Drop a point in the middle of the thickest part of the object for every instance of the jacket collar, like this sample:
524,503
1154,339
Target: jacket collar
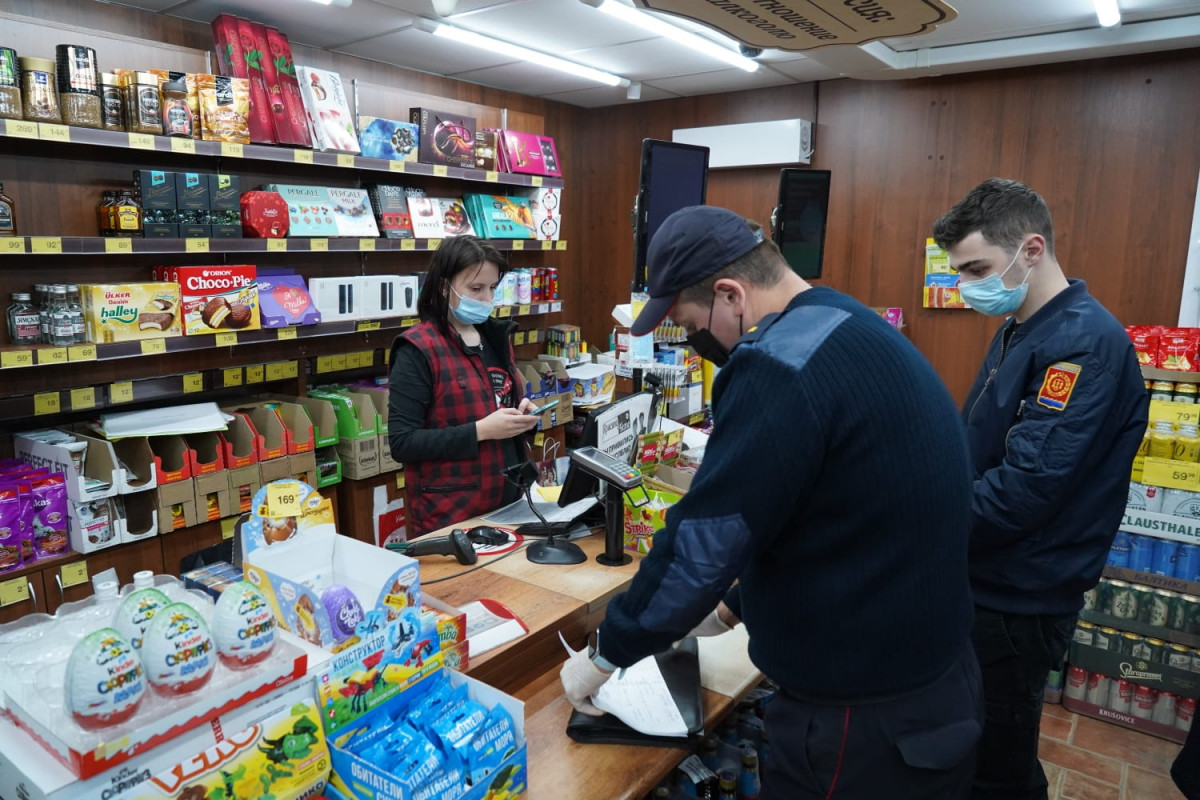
1076,290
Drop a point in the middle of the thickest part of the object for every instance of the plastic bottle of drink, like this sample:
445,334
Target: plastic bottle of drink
62,327
748,784
75,310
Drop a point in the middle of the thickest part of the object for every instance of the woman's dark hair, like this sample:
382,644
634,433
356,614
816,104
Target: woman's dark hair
456,253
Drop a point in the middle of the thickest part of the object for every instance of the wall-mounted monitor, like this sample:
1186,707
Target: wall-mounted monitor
799,219
673,176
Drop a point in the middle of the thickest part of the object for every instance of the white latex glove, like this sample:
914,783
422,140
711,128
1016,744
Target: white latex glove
581,678
712,625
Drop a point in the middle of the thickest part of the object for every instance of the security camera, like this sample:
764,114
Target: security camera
750,52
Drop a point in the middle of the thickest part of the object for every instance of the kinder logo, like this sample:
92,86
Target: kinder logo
211,759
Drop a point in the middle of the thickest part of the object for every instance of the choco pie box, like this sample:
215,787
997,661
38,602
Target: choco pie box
222,297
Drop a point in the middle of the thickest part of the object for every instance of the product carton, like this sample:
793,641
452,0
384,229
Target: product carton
592,383
155,189
177,515
321,416
172,459
545,203
360,457
224,192
239,442
243,484
310,209
352,212
499,217
213,497
124,312
136,457
217,298
391,211
329,118
191,191
303,467
293,102
140,520
444,138
206,452
388,138
529,153
329,467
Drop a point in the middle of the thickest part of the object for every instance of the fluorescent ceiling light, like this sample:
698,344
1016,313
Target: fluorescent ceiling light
521,53
1107,12
660,27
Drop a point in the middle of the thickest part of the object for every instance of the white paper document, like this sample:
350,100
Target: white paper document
519,513
194,418
640,698
486,630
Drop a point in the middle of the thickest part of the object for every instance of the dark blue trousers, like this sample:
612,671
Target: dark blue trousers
917,746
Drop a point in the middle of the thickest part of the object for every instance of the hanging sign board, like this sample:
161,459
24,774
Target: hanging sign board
806,24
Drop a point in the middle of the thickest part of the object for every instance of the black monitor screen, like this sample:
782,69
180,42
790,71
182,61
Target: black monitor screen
800,219
674,176
612,429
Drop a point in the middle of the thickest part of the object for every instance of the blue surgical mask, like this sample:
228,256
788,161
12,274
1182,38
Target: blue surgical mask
471,311
991,297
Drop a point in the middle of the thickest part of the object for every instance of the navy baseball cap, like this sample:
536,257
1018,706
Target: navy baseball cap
692,244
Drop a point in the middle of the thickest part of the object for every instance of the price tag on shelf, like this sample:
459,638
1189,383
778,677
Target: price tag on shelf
1177,413
83,399
518,244
440,171
539,439
21,129
523,310
366,245
193,382
367,358
408,244
14,244
491,176
1172,474
179,145
400,481
433,244
353,361
46,403
231,377
275,371
46,244
504,311
396,166
141,141
14,591
302,156
547,244
54,133
73,574
367,325
254,373
519,338
286,333
224,339
338,363
536,180
232,149
52,355
227,526
345,160
16,358
120,392
276,245
195,245
408,322
318,245
324,364
118,244
82,352
151,347
283,499
561,244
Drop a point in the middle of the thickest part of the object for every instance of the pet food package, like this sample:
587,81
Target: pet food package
11,556
388,139
50,527
444,138
329,117
224,108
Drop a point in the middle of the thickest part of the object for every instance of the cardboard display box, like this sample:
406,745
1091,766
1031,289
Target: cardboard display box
275,469
329,467
101,476
174,516
213,496
1168,732
239,442
360,457
303,467
243,484
141,517
1163,677
172,458
206,452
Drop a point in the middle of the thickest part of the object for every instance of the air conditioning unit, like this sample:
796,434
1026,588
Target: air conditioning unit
752,144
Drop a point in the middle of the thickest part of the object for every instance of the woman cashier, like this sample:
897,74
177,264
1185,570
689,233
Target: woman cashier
456,410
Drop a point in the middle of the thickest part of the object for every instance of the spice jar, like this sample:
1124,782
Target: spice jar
39,100
145,106
78,85
176,115
10,84
112,105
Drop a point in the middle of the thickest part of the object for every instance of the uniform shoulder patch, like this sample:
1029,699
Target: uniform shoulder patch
1058,384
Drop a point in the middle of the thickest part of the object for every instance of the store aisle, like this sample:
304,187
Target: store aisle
1086,759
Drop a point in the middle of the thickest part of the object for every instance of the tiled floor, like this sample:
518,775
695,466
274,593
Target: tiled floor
1086,759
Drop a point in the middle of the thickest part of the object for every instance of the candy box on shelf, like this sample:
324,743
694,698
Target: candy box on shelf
125,312
391,211
284,301
265,215
221,297
388,138
329,117
529,153
310,210
444,138
352,212
500,217
545,204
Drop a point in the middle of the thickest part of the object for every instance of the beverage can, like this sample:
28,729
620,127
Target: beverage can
1162,440
1184,392
1185,712
1141,552
524,287
1155,650
1157,608
1187,608
1107,638
537,285
1187,562
1129,642
1162,390
1099,687
1118,553
1144,700
1091,596
1179,656
1164,558
1121,696
1195,660
1124,603
1164,709
1085,632
551,283
1076,685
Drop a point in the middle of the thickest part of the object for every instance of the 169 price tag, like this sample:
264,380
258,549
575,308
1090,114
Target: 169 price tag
283,499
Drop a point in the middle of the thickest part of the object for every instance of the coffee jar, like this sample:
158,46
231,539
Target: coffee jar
78,85
39,98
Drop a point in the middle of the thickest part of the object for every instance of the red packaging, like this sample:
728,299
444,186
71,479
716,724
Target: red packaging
264,215
1177,349
280,124
262,129
1145,343
222,27
219,297
293,101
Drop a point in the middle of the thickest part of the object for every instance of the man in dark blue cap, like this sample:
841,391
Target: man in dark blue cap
833,492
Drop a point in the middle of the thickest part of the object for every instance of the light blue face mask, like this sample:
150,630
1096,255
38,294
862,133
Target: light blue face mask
471,311
991,297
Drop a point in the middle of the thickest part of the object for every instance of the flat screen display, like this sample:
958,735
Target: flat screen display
800,219
673,176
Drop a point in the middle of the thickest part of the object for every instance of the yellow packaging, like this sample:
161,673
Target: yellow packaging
126,312
642,522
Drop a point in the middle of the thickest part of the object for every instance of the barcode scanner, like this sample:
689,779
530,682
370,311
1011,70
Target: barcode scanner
457,544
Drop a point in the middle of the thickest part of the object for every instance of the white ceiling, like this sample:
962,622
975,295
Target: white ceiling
988,34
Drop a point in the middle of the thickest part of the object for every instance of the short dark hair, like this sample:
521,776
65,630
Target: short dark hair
763,266
456,253
1004,211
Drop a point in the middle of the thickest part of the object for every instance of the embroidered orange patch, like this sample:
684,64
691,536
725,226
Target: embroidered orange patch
1058,384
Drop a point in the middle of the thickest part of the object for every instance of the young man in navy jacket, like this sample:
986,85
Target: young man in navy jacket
1053,422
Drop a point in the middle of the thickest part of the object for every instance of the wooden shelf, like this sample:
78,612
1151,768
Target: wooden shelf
104,245
1156,374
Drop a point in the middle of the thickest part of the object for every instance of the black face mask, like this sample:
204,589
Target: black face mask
706,345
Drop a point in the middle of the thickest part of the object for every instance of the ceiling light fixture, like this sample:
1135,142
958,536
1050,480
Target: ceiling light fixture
511,50
660,27
338,3
1107,12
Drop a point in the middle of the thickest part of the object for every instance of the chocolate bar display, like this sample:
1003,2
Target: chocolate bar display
387,138
445,138
284,301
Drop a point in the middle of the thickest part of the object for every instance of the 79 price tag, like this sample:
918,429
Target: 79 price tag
283,499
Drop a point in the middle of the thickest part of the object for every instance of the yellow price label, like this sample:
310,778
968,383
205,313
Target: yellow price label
1171,474
400,480
46,403
368,325
193,382
547,244
1177,413
491,176
338,363
46,244
15,244
523,310
152,347
283,499
52,355
14,591
561,244
224,339
231,149
302,156
538,439
518,244
275,371
83,399
536,180
21,129
121,392
408,322
353,361
229,523
396,166
408,244
276,245
54,133
286,333
118,244
141,141
291,369
82,352
179,145
440,171
73,574
367,358
231,377
254,373
345,160
324,364
519,338
16,358
504,311
433,244
318,245
195,245
366,244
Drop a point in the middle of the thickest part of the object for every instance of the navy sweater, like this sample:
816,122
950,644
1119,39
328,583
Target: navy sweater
836,489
